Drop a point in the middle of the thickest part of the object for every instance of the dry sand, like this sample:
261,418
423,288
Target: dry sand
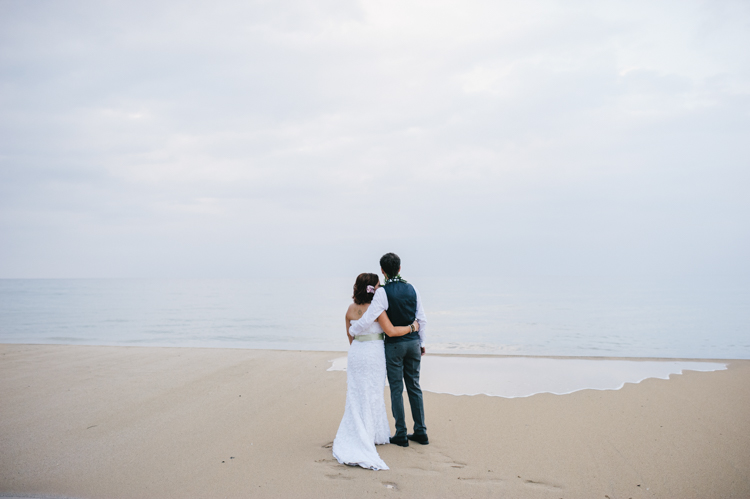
105,422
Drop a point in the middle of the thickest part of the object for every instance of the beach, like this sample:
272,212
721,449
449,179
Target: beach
136,422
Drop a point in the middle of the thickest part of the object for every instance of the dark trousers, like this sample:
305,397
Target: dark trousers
402,362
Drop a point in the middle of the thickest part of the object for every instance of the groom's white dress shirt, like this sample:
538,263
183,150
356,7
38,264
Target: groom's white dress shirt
378,305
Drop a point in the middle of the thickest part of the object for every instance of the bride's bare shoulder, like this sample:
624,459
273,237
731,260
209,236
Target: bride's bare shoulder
355,311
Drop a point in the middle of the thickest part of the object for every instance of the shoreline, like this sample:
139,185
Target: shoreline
526,377
119,422
438,354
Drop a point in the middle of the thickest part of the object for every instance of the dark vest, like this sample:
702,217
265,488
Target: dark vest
402,308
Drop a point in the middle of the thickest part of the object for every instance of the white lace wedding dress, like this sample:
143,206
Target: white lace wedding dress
365,422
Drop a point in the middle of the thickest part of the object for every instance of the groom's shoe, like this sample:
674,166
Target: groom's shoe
403,442
420,439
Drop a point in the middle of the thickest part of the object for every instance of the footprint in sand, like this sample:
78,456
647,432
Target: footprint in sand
339,476
543,485
481,480
434,462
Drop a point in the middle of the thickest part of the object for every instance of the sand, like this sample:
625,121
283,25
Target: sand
135,422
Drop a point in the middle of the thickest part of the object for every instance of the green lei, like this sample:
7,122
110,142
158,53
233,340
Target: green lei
396,278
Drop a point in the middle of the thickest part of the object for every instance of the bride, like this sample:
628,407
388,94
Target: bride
365,423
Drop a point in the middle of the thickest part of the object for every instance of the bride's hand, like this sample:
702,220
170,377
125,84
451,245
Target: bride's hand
416,326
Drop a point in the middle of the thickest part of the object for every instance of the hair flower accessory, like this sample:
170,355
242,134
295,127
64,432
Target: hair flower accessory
370,289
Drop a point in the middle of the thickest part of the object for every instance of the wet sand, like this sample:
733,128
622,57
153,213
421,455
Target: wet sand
523,376
101,422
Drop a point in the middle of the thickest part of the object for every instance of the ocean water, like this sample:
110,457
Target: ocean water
521,316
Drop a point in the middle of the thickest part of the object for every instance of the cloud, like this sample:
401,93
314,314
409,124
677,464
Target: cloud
187,139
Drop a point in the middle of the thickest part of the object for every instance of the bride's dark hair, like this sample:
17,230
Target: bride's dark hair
361,296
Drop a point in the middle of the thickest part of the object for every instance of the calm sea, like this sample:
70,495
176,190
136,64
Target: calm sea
532,316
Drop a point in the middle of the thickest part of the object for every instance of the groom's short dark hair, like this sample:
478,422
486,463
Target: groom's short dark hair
391,264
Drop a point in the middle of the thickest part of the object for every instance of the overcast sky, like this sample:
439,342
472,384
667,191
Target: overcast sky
234,139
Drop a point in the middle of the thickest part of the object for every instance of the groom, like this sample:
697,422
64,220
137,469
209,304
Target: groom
403,354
